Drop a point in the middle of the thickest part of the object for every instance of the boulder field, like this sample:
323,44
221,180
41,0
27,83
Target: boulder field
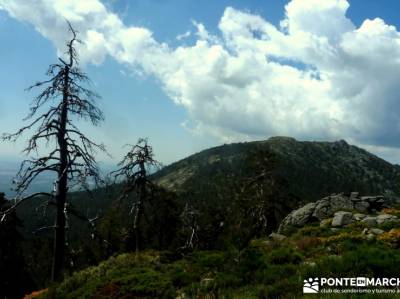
339,210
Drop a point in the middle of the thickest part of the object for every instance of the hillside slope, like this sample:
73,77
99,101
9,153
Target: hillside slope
312,169
237,192
273,267
214,178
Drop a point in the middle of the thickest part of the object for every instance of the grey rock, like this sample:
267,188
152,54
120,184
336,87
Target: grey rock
385,218
371,198
302,215
361,206
323,209
277,237
297,217
359,216
342,218
341,202
369,221
377,231
375,201
328,206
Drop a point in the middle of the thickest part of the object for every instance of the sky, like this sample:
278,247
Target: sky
194,74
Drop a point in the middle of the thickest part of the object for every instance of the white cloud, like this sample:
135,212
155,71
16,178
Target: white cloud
320,18
316,76
183,35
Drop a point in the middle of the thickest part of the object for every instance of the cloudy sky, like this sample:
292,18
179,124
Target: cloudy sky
193,74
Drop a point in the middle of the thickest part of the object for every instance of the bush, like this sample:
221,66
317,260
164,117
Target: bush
389,225
313,231
116,278
275,273
371,260
256,272
346,236
285,255
252,261
391,238
308,244
285,288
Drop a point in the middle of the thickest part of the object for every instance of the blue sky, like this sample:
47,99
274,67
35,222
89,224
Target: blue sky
165,91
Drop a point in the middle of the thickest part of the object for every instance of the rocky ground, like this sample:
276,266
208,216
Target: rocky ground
340,210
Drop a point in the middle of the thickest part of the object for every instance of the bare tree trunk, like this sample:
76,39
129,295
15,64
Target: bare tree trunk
133,170
136,225
72,159
139,211
61,195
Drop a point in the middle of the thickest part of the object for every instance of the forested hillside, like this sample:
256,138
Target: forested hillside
218,198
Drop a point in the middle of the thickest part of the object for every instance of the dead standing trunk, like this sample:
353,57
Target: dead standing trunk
61,192
72,159
133,171
139,210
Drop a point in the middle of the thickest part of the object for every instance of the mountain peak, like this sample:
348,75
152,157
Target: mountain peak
312,170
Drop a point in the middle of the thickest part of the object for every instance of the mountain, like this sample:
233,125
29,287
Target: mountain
218,198
312,169
212,180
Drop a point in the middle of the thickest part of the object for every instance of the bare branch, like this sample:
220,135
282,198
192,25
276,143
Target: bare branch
20,201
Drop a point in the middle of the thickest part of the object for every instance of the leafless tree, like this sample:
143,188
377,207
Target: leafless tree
64,99
133,171
189,220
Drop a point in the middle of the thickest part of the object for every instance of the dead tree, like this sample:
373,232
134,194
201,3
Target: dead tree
133,171
189,218
71,157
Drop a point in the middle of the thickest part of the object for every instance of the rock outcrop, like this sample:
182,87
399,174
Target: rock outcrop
344,208
342,218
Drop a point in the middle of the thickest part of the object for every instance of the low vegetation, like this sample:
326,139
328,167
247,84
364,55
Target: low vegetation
263,269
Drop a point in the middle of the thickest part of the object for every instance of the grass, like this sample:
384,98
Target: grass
265,269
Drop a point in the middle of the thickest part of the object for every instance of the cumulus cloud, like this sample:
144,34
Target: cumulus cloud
316,76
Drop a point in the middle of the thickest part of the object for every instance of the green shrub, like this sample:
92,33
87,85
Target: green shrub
275,273
366,259
251,262
263,271
209,260
285,255
285,288
387,226
313,231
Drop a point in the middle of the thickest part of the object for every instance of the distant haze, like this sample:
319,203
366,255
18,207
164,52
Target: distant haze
43,183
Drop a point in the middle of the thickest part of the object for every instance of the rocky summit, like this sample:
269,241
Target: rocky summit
338,210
